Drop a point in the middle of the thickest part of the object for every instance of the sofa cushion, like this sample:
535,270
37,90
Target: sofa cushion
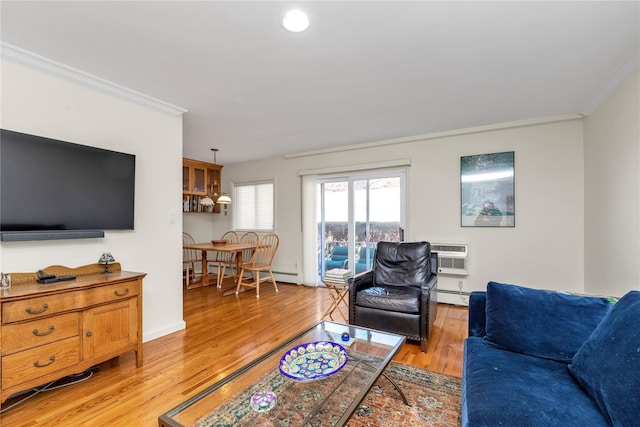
503,388
547,324
405,299
608,364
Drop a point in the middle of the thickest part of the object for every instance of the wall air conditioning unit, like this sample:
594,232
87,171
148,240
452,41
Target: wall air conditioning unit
453,258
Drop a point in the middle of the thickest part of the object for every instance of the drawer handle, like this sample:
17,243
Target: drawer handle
38,365
118,294
42,310
42,334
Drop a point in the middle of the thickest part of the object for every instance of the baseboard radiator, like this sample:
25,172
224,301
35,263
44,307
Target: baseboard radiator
282,275
458,297
452,292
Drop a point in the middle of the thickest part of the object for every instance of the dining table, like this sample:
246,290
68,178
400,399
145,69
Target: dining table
236,248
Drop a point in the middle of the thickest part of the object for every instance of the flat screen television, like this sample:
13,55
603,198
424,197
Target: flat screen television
51,189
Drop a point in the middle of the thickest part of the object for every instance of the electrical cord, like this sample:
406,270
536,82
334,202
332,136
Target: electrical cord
51,386
464,298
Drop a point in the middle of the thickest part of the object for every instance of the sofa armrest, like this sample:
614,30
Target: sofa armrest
477,313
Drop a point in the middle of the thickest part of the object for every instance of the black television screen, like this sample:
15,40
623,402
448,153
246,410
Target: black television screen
49,185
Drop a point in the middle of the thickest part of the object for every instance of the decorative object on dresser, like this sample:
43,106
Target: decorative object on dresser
5,280
62,328
105,259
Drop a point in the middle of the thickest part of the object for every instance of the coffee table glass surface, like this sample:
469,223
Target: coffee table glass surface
327,401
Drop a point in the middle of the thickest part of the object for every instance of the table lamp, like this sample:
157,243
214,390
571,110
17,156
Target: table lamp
105,259
208,203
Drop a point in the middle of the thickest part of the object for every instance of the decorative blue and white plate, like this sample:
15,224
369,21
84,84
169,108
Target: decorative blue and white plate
312,361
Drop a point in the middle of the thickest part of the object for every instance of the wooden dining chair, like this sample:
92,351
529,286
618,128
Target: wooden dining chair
260,261
190,257
226,259
252,238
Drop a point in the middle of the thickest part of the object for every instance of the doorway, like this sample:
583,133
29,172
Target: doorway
355,213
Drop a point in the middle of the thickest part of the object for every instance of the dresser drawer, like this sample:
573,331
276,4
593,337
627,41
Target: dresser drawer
33,308
113,293
22,336
36,362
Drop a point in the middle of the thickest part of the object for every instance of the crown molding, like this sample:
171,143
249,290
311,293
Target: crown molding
439,135
359,167
627,67
38,62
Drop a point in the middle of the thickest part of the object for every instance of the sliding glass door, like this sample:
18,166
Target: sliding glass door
355,213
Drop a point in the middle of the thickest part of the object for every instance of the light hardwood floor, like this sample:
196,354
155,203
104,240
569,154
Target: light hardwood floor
222,334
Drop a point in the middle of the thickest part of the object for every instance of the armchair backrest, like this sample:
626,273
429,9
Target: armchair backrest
402,263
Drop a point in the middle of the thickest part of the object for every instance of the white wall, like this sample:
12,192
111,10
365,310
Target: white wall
561,168
201,225
545,249
612,193
38,103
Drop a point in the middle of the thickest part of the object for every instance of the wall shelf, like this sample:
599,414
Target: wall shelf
200,180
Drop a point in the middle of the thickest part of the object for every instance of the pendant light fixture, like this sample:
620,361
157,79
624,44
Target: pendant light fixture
224,198
207,201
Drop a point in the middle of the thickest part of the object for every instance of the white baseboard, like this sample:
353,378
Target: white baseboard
152,335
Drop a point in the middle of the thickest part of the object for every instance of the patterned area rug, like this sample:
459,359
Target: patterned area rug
434,400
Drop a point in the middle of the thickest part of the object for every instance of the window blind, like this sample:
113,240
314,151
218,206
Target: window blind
254,206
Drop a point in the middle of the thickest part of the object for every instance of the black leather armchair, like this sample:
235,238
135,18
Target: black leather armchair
399,294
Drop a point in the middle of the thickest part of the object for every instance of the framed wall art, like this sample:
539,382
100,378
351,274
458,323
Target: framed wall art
487,190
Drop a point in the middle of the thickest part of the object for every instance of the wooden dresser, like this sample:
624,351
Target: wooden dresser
48,331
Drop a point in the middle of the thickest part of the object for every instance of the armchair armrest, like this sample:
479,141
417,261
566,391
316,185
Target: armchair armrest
430,284
361,281
356,283
433,280
477,313
434,263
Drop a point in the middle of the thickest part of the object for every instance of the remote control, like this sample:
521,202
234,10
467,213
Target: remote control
45,276
52,278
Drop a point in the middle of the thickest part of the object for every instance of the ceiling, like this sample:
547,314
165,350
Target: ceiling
362,72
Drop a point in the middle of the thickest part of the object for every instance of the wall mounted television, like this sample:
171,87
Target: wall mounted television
51,189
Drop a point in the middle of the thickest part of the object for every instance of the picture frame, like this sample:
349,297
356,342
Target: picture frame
487,190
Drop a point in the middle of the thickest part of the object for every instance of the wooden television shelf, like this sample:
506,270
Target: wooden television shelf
48,331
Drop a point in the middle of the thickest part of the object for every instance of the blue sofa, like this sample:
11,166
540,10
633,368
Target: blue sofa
542,358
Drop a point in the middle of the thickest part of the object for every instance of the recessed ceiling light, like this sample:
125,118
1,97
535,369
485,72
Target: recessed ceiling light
295,21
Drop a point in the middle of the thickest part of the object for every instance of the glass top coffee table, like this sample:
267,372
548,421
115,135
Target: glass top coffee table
259,394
